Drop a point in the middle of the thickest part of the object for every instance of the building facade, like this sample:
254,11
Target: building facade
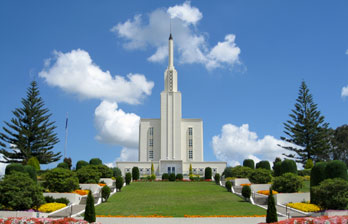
171,143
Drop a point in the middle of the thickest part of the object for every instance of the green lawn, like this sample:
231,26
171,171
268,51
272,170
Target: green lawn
305,186
176,199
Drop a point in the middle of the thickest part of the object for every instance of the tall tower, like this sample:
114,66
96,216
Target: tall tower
170,111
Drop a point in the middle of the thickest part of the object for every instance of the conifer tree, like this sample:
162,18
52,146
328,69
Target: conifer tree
307,130
30,133
271,209
89,209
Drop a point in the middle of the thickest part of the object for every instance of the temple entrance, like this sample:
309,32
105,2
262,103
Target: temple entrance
171,170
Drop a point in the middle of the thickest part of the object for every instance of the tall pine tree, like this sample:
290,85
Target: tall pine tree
30,133
307,130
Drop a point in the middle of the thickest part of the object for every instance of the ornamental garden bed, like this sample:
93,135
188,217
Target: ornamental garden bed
176,199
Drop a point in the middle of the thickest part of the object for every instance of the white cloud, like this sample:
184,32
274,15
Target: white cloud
128,154
116,127
344,92
75,72
347,51
235,144
192,45
185,12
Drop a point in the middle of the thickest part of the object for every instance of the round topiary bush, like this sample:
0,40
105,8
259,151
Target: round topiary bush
239,172
217,178
317,173
288,166
61,180
287,183
19,192
119,183
80,164
128,178
332,194
172,177
207,173
63,165
18,167
135,173
260,176
227,172
246,191
277,169
228,186
116,172
34,163
105,193
249,163
95,161
165,176
88,174
336,169
264,164
179,176
31,171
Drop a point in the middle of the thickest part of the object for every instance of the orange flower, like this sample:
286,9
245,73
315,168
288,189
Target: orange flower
101,184
81,192
266,192
245,185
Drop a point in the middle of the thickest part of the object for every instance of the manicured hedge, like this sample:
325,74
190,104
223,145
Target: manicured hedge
135,173
246,191
165,176
80,164
63,165
287,183
95,161
217,178
336,169
264,164
128,178
260,176
249,163
179,176
207,173
288,166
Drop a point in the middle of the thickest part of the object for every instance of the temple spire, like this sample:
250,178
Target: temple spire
171,52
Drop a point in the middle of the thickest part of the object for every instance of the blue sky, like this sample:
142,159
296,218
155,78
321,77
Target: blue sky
239,63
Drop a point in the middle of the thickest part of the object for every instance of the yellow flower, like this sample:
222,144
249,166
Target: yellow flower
305,207
51,207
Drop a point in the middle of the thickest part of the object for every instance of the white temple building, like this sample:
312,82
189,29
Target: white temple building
171,143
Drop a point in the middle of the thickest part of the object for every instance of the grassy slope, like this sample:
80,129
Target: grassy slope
176,199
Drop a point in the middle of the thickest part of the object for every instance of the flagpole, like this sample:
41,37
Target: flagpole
66,134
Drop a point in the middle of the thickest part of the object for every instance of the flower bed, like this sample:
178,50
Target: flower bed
245,185
22,220
81,192
51,207
102,184
317,220
305,207
266,192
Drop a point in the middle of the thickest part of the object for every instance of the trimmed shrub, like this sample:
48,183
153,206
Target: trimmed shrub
116,172
271,209
207,173
89,209
49,199
80,164
105,171
277,169
260,176
239,172
336,169
165,176
288,166
306,172
153,177
19,192
14,167
88,174
63,165
61,180
172,177
309,164
249,163
34,163
105,192
227,172
287,183
61,200
135,173
31,171
317,176
128,178
264,164
179,176
332,194
246,191
190,169
119,183
228,186
68,161
95,161
217,178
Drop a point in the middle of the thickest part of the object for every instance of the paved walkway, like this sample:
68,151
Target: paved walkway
248,220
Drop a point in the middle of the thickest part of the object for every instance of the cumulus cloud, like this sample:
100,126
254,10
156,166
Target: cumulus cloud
128,154
75,73
235,144
344,92
115,126
151,31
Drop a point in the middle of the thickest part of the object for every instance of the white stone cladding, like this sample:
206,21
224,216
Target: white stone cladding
171,143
